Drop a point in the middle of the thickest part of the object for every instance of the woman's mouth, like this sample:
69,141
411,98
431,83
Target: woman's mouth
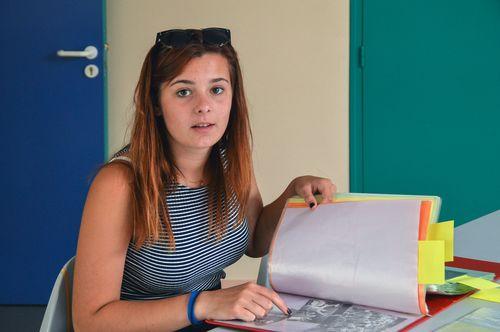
202,127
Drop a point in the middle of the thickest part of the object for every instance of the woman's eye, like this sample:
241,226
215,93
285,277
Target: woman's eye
183,93
217,90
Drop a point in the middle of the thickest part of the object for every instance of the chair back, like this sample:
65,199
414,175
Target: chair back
57,317
263,278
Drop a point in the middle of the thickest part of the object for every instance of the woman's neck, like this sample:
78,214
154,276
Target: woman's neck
191,165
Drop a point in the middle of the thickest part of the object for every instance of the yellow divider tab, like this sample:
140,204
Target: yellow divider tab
300,200
492,295
477,283
443,231
431,262
296,199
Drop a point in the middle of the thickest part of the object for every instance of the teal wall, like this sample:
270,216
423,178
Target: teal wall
425,102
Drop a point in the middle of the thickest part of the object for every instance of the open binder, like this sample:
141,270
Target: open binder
361,257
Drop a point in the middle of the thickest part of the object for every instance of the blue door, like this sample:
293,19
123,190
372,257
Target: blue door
425,101
52,137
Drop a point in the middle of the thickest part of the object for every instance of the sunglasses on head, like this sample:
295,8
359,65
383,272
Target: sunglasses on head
176,38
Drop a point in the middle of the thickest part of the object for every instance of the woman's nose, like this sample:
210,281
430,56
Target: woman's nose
202,104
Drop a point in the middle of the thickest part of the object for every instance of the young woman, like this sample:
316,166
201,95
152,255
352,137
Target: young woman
180,203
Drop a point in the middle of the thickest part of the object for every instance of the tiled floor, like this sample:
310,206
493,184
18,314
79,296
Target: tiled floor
21,318
28,318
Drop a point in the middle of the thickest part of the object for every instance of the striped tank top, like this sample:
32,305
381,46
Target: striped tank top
197,263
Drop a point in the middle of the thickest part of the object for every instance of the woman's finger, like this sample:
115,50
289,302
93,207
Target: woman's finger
264,302
253,307
311,201
245,315
326,188
306,191
334,189
275,298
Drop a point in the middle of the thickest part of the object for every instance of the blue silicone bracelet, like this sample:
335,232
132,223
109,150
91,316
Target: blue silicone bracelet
190,308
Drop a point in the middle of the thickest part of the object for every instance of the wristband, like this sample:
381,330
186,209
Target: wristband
190,308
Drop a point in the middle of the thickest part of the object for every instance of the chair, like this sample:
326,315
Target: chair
57,317
263,278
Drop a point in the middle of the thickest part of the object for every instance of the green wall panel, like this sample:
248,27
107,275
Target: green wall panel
425,107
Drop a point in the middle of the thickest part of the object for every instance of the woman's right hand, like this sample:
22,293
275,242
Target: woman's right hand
245,302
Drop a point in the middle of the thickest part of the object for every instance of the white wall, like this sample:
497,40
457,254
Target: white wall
295,61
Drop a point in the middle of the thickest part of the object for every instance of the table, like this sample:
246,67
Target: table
477,239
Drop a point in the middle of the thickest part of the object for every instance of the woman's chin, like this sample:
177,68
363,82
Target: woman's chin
204,145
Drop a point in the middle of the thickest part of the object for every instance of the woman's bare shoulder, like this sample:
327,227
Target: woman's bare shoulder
109,200
114,176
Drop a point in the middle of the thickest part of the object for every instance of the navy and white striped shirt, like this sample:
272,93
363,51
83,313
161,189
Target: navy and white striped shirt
197,263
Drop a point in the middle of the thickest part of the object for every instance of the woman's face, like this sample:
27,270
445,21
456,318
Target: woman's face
196,104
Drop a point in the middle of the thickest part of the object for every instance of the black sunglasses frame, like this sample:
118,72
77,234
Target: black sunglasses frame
177,38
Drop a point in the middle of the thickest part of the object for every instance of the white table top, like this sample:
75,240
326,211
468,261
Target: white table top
480,238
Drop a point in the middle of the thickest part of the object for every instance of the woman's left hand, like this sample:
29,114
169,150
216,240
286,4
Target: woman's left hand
307,186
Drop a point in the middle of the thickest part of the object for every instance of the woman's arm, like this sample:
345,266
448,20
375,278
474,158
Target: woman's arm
104,236
262,221
102,246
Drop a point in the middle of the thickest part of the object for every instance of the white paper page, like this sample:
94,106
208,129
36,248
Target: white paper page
355,252
320,315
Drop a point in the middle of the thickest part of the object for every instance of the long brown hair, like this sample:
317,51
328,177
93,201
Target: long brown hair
154,170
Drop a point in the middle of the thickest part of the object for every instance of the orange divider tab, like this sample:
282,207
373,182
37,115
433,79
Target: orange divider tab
425,214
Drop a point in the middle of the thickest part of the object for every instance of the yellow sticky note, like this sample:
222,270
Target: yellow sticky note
457,279
431,262
492,295
443,231
477,283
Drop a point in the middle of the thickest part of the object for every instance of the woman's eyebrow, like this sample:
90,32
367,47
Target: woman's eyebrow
182,81
215,80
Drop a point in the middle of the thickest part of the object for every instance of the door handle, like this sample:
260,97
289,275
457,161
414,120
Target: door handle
90,52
